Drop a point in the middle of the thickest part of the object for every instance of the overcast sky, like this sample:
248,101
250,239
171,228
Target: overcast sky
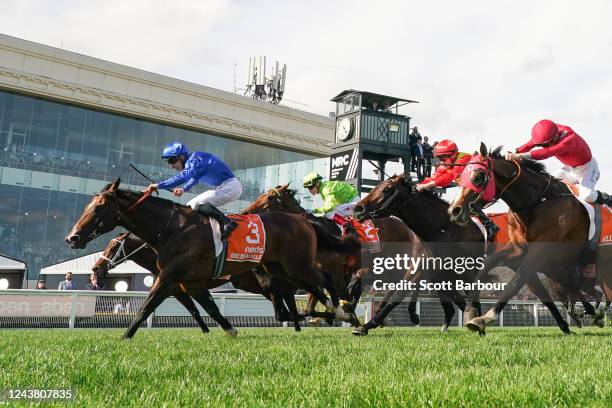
482,70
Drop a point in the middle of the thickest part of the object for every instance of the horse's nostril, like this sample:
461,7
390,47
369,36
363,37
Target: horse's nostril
359,209
72,238
456,211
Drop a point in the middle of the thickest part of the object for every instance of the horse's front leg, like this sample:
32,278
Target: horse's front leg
509,256
159,292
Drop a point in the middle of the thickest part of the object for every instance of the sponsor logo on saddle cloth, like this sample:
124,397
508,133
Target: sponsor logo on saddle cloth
368,234
606,218
247,243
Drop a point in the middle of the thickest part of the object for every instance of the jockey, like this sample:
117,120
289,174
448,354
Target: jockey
452,163
338,197
580,167
201,166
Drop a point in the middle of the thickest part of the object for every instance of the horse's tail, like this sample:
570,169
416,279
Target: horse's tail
326,240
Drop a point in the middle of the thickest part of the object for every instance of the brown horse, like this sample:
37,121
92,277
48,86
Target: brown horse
127,246
549,234
391,230
186,253
427,215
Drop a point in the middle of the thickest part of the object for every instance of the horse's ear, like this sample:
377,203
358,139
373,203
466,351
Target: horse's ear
285,186
112,187
483,150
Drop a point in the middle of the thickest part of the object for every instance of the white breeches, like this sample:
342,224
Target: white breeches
585,176
345,209
224,193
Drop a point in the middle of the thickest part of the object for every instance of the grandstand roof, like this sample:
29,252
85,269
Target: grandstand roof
11,263
83,264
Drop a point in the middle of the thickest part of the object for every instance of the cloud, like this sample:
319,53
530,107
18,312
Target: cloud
482,70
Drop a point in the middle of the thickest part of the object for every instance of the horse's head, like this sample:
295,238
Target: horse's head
280,198
100,216
484,176
111,257
383,198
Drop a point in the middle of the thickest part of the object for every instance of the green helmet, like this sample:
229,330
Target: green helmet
311,179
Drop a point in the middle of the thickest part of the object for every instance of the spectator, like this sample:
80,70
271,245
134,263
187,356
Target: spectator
67,284
427,156
433,147
94,284
419,158
413,137
41,285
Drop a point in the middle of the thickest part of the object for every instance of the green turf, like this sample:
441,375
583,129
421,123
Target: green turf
318,367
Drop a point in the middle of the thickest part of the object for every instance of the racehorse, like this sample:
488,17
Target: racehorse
425,214
127,246
390,229
184,242
549,235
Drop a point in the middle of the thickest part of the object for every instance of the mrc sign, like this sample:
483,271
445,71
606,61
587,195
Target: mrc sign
343,165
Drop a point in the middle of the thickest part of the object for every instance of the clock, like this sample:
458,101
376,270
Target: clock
345,128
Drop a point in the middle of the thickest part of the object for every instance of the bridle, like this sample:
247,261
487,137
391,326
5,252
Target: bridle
120,256
96,230
488,184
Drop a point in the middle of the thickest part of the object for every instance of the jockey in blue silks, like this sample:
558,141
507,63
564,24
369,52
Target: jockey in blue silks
201,166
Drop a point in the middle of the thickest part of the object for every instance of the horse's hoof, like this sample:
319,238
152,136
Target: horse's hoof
598,318
316,322
360,331
482,333
231,332
415,319
568,333
477,324
444,328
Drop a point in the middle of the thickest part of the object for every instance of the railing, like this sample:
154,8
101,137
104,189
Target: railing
101,309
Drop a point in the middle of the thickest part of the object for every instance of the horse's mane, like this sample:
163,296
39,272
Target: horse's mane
532,165
151,197
428,194
431,195
291,192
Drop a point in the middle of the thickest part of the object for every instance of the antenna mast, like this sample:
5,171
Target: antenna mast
260,87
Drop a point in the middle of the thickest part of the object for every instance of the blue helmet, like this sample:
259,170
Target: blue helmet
174,149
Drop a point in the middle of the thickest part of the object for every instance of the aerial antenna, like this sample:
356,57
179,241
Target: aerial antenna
260,87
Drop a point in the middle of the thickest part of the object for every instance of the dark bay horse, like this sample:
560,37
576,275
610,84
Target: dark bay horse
425,214
127,246
186,253
550,231
390,229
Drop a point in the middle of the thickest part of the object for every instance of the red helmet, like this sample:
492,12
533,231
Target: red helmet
445,148
543,131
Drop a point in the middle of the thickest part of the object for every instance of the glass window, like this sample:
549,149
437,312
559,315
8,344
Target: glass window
60,150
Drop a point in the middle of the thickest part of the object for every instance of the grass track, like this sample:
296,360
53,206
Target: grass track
318,367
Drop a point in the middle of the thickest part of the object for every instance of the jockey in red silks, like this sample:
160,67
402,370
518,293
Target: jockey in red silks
580,167
452,163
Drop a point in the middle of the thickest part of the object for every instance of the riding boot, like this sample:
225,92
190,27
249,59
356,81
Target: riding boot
227,224
489,225
603,198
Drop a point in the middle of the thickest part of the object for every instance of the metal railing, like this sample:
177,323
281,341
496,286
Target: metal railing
102,309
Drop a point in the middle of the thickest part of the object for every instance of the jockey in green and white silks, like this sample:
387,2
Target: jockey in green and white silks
338,197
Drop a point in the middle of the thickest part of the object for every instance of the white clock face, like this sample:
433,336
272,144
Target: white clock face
345,129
